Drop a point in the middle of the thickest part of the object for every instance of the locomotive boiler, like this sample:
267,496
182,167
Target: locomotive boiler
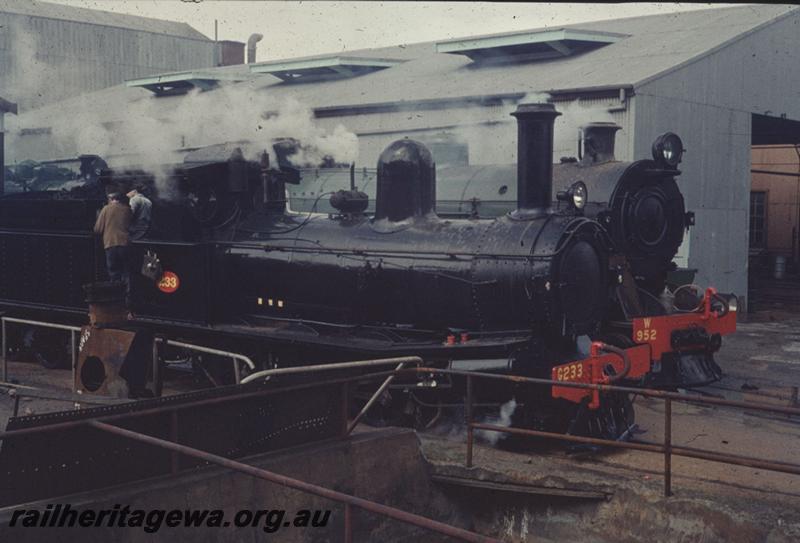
638,202
532,269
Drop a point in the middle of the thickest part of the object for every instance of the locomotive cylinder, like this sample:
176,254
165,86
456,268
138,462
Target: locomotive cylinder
534,158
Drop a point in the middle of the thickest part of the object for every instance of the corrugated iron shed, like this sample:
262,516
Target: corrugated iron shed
655,46
61,12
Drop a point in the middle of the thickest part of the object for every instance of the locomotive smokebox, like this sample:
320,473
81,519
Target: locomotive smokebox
406,182
598,143
534,158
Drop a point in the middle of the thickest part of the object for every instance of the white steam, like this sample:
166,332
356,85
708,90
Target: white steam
149,132
535,98
504,419
574,115
491,135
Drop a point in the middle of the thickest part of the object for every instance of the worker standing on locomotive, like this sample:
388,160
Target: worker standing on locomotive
141,207
113,224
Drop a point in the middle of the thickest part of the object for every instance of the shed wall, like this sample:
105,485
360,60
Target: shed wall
44,60
709,102
758,73
715,182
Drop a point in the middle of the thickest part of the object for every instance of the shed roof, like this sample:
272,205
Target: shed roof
34,8
655,45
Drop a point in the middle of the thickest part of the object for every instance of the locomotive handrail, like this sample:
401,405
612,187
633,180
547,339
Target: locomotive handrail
73,343
76,329
200,348
401,360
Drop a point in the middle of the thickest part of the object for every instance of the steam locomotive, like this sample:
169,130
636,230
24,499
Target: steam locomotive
638,203
241,272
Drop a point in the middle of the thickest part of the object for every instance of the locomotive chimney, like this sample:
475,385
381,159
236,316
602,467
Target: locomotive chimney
598,142
534,158
406,182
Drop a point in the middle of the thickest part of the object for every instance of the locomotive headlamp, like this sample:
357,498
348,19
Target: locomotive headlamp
577,195
668,149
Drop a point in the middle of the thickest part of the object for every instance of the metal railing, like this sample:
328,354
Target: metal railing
103,423
667,448
348,500
73,330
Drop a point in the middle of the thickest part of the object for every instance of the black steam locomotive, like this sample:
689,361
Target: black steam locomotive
638,203
240,272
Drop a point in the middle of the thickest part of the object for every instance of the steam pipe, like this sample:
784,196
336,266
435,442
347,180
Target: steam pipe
534,158
251,47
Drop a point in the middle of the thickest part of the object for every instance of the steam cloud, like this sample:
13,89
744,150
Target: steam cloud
476,129
149,133
151,136
567,126
504,419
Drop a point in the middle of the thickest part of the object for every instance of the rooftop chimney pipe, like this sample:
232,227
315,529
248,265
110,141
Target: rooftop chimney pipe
534,158
598,142
251,47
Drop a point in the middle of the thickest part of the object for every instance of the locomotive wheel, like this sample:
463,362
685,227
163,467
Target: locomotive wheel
613,420
49,347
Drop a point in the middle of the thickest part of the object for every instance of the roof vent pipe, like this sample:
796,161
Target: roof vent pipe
251,47
534,158
598,142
